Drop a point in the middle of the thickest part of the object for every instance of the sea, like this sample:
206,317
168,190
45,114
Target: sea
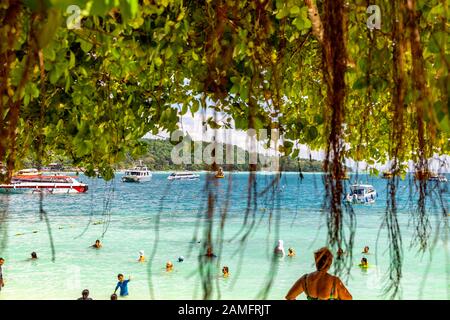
168,219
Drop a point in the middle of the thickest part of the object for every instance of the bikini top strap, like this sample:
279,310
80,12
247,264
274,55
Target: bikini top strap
306,286
333,289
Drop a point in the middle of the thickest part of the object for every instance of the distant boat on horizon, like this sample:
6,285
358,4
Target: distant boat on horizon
183,176
139,173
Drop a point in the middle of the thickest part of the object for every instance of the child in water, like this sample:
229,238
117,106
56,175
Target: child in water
123,285
279,249
141,256
225,272
365,250
291,252
364,263
169,266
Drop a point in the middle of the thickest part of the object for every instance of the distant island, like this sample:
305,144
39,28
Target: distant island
158,158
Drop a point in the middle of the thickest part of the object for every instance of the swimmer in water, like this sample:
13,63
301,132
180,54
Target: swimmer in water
85,295
141,256
33,256
291,252
209,253
279,249
169,266
226,272
365,250
320,285
364,263
97,244
114,296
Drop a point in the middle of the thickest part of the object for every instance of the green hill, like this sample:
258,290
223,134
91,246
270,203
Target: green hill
158,158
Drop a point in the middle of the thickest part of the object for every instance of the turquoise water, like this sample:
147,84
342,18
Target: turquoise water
76,221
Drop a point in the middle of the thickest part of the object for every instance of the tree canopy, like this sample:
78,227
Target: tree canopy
89,89
134,67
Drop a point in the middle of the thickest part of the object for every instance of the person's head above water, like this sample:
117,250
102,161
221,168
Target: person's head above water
209,252
114,296
180,259
366,249
120,277
2,261
33,255
85,293
169,266
323,258
97,244
364,260
225,271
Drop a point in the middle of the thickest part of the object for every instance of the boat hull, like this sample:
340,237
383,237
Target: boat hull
17,189
135,179
183,178
367,199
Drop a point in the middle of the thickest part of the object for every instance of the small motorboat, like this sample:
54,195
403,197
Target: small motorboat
183,176
361,193
43,183
139,173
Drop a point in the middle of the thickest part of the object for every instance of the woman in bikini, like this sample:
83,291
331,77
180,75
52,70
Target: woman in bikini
320,285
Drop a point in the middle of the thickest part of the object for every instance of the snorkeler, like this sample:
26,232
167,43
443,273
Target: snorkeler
279,249
141,256
123,285
364,263
226,272
291,252
365,250
169,266
97,244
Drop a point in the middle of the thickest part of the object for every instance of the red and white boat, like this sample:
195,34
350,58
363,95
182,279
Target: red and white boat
42,183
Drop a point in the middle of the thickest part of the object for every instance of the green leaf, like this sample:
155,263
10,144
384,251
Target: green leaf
85,46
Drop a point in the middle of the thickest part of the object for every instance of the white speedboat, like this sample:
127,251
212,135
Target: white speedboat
362,193
183,176
41,183
139,173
